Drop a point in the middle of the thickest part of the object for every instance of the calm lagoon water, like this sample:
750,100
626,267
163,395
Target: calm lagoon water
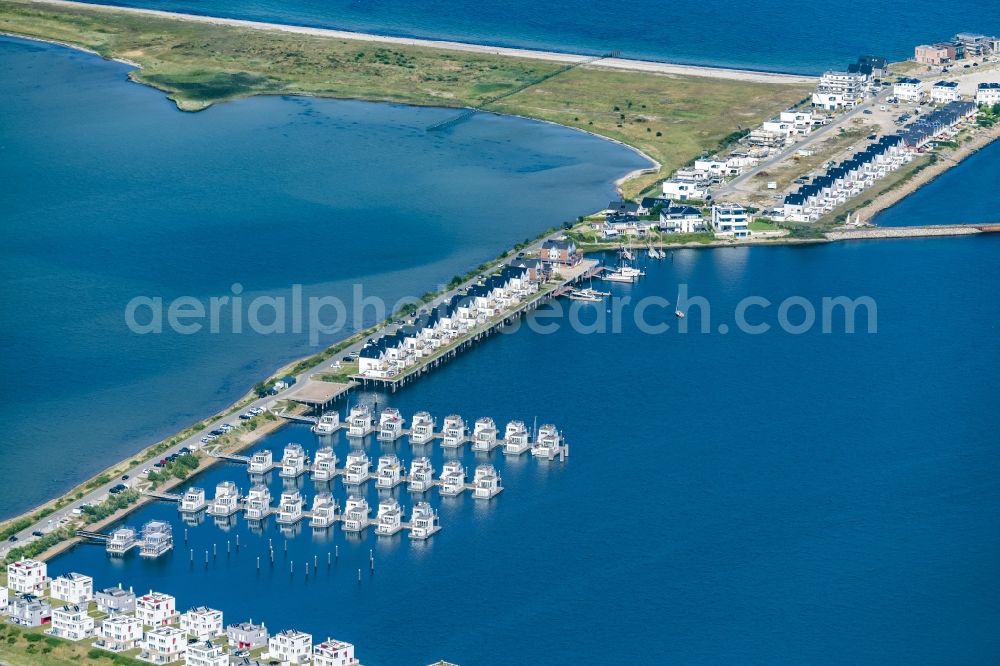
778,35
729,498
109,193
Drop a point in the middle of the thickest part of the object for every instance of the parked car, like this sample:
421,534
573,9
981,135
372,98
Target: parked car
38,533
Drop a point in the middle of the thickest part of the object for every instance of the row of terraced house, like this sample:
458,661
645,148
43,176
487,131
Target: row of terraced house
848,179
391,354
150,624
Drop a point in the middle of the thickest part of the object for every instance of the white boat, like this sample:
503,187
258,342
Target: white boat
617,276
579,295
679,314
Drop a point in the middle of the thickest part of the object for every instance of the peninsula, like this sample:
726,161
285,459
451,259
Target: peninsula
671,113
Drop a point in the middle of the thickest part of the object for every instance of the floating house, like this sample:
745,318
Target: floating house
390,425
421,476
121,541
157,538
516,439
119,633
193,500
73,588
356,512
226,501
360,422
389,473
422,428
484,434
328,423
258,504
290,507
424,521
389,519
293,462
548,443
324,466
261,462
452,478
454,432
325,510
358,468
486,482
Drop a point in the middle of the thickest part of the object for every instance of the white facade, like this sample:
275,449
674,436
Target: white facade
155,609
730,220
988,94
4,598
943,92
683,191
119,633
202,623
909,90
205,653
73,588
334,653
290,647
72,622
27,577
163,645
838,90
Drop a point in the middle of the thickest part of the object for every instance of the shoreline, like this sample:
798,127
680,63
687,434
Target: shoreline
648,66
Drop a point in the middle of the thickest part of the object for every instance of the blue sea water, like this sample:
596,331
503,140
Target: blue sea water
728,498
775,498
773,35
110,193
963,194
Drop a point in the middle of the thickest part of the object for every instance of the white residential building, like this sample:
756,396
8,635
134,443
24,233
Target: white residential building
73,588
988,94
155,609
163,645
730,220
943,92
679,190
119,633
290,647
72,622
837,90
202,623
334,653
4,598
908,89
115,600
801,121
27,577
246,636
205,653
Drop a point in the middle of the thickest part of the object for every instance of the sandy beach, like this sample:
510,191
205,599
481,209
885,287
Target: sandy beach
567,58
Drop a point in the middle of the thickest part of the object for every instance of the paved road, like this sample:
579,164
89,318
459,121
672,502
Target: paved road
811,138
101,493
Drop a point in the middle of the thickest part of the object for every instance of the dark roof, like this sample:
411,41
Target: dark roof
907,79
623,207
946,84
989,85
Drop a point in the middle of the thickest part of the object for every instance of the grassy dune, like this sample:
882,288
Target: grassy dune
671,118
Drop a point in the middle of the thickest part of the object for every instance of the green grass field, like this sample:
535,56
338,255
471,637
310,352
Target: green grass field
673,119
